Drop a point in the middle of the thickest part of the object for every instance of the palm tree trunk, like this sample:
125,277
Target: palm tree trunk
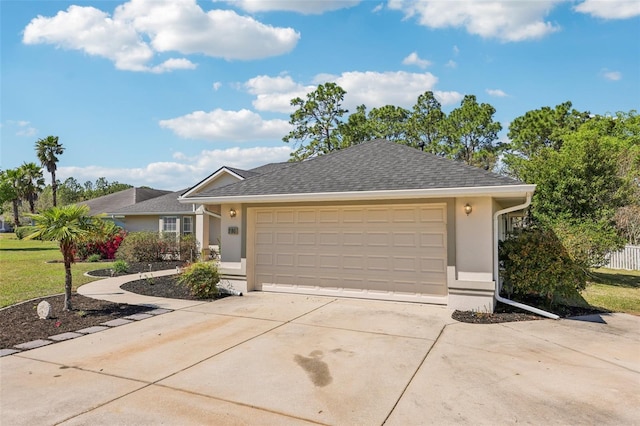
67,285
54,188
16,214
67,254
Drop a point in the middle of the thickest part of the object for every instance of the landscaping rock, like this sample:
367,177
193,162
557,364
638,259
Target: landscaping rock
44,310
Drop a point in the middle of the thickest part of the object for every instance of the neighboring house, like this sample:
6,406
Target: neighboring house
160,214
120,199
165,213
377,220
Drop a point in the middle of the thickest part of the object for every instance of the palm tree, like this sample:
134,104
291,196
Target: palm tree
13,180
47,149
32,183
68,225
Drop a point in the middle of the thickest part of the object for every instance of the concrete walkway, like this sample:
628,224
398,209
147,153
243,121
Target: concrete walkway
109,289
290,359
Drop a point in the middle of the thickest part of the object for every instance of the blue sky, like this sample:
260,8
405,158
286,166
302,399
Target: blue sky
162,93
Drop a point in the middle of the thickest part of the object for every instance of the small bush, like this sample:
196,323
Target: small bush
156,247
104,242
141,247
94,258
535,263
24,231
120,266
202,280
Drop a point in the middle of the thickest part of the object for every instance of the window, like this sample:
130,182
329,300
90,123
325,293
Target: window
187,225
169,224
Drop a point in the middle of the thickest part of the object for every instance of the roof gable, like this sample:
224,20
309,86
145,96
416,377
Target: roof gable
210,181
378,165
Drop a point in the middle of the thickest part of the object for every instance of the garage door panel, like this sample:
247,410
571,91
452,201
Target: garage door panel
404,239
380,252
432,265
378,239
431,239
329,238
353,262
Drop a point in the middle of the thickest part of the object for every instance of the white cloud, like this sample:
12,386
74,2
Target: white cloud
451,64
185,171
174,64
216,86
496,93
504,20
378,8
610,9
275,93
612,75
22,128
167,25
414,59
375,89
456,50
221,125
448,98
305,7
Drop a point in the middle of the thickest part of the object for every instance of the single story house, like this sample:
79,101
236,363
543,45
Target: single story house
377,220
121,199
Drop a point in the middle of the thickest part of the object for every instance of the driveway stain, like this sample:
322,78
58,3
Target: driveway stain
317,369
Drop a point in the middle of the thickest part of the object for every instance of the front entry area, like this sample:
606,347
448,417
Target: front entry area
387,252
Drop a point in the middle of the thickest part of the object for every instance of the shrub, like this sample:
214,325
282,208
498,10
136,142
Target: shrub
202,280
188,249
534,262
23,231
120,266
94,258
156,247
141,247
104,242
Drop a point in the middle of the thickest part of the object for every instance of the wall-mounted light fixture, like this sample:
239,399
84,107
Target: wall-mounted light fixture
468,209
233,213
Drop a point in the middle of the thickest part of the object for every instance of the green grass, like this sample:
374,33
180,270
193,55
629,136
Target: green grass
25,273
614,290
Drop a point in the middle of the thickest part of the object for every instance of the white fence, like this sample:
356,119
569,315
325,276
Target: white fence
629,258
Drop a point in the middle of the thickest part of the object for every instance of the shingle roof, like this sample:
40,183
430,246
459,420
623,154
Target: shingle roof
167,203
121,199
377,165
271,167
244,173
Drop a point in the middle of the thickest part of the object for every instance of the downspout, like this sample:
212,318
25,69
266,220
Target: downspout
496,263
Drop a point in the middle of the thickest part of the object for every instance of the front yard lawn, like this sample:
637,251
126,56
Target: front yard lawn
614,290
25,273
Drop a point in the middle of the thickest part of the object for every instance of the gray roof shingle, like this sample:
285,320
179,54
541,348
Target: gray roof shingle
167,203
378,165
121,199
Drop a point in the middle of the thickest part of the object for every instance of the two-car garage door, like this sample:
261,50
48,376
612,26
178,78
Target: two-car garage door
390,252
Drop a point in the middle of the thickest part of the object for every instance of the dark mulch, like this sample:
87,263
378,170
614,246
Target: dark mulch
163,287
20,323
508,313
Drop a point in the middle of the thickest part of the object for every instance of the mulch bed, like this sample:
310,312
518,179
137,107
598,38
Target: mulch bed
508,313
20,323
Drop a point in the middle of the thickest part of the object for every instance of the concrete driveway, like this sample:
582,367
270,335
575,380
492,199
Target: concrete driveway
288,359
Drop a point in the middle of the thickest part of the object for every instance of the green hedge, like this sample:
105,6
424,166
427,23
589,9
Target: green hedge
535,263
